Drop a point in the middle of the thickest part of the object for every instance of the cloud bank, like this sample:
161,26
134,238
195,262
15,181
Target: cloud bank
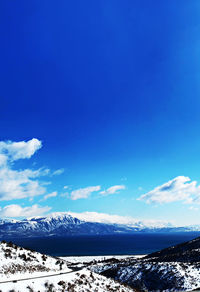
14,211
116,219
180,188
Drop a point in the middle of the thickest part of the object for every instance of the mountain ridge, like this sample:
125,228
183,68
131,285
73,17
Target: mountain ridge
64,224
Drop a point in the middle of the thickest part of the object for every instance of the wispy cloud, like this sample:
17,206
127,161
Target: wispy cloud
84,193
113,190
58,171
51,195
180,188
14,211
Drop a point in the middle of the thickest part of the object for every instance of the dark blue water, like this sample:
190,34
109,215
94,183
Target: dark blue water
139,243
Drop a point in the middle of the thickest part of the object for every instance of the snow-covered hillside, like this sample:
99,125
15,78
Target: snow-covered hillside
16,260
173,269
151,276
83,281
25,270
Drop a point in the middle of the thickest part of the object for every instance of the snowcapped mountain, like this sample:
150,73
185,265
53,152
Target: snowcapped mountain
60,224
119,220
64,224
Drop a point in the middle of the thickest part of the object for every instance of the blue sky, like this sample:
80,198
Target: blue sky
111,89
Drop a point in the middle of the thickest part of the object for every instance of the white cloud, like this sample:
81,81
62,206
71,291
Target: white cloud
18,211
65,187
180,188
58,171
113,190
51,195
116,219
3,160
84,192
18,184
19,150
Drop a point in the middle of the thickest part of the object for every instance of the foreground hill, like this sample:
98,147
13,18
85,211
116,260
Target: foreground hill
26,270
63,224
173,269
184,252
17,260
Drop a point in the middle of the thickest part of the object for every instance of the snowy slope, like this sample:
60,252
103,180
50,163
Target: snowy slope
152,276
83,281
176,268
16,260
25,270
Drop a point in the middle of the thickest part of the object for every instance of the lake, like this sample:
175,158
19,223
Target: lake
121,244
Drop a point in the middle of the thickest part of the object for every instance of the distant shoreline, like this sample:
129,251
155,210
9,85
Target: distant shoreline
84,259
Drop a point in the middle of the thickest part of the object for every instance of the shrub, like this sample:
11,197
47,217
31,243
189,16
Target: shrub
30,289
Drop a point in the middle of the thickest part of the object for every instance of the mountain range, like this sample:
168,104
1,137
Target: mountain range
63,224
